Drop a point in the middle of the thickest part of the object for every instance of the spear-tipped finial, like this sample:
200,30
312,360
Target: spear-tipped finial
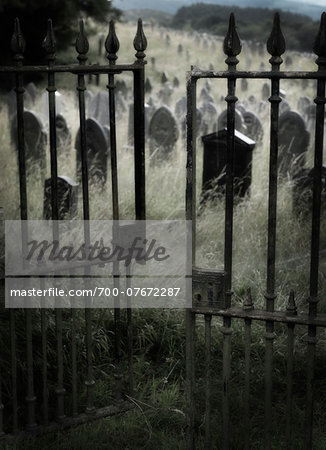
232,44
248,303
291,308
49,42
17,40
320,41
140,41
112,44
276,42
82,45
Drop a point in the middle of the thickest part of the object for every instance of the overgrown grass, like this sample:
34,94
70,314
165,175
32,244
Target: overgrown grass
158,419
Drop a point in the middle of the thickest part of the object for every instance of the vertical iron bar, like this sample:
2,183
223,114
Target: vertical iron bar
74,364
289,388
82,47
191,239
247,383
140,45
17,46
130,333
112,47
275,47
44,366
13,371
232,48
320,51
208,321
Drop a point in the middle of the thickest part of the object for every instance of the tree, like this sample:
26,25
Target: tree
33,15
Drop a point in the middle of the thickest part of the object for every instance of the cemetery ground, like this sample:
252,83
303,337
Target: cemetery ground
158,417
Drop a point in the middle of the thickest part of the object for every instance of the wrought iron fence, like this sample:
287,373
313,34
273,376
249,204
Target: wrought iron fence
248,314
20,409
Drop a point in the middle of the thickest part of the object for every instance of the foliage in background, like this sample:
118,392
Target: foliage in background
253,23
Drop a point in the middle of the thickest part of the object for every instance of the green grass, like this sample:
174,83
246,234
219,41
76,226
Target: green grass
158,419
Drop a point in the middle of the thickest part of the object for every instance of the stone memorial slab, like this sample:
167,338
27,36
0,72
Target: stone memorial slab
163,132
99,108
67,198
293,143
97,152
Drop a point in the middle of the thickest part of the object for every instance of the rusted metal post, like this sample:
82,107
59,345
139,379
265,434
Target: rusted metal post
275,47
291,310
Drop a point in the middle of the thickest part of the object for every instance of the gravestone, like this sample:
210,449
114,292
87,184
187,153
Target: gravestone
209,117
211,67
67,198
99,107
153,62
180,49
222,121
181,108
32,90
284,107
244,84
165,94
163,132
254,126
265,91
293,143
35,139
168,40
288,61
63,132
302,192
214,163
164,78
303,104
88,98
97,152
176,82
121,86
148,86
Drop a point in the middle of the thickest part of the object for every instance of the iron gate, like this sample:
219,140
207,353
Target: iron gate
248,314
50,410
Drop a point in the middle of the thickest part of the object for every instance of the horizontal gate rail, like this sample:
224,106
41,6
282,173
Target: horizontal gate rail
269,316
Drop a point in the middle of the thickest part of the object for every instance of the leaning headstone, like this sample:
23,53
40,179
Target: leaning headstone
63,132
239,122
97,152
163,132
99,107
254,126
35,138
67,198
214,163
293,143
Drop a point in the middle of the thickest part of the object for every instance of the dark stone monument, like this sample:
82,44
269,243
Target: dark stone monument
163,132
63,132
164,78
180,49
293,143
214,163
35,138
254,126
97,152
67,198
176,82
266,92
99,107
239,122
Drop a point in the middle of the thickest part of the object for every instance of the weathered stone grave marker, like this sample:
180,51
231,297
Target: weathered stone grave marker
163,132
99,107
293,143
67,198
97,152
253,125
214,163
63,132
239,122
35,138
